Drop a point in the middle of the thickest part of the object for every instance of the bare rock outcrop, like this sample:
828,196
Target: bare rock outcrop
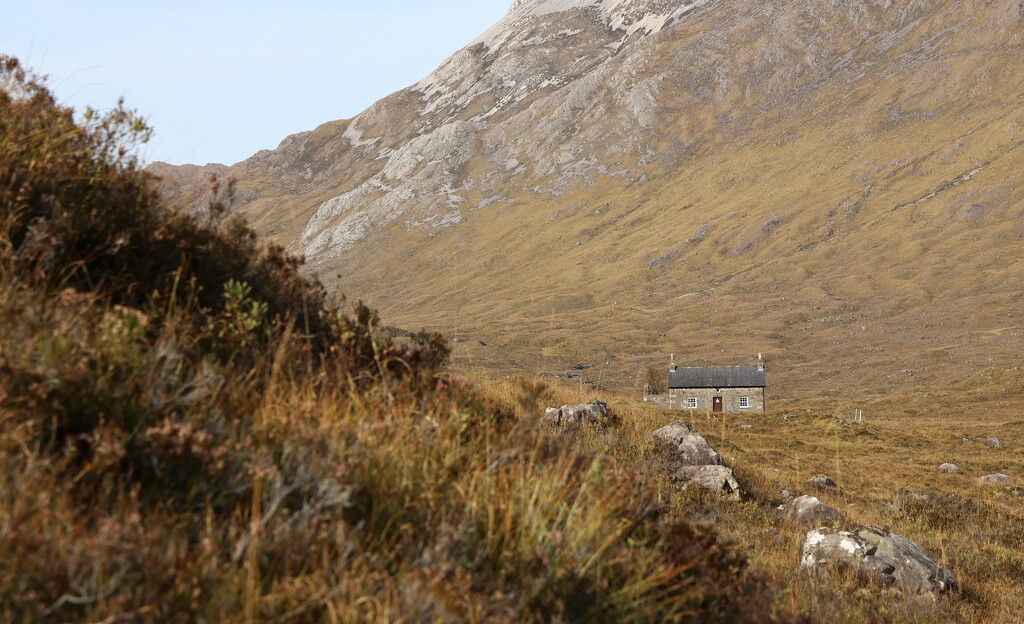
822,481
875,556
701,465
592,413
715,478
808,510
950,469
692,449
996,478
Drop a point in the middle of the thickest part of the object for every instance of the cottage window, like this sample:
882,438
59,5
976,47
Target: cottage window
744,402
691,402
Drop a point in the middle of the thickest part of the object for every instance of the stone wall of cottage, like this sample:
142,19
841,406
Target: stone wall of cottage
677,398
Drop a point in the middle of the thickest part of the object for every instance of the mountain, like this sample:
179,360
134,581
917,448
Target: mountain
606,183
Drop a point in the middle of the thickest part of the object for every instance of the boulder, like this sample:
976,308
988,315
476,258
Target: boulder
875,556
950,469
822,481
715,478
808,510
996,478
993,442
786,496
691,446
593,413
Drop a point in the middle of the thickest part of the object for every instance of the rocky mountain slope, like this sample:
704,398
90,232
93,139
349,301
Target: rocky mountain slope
605,183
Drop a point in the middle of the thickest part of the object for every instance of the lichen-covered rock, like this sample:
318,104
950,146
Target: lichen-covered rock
808,510
876,556
715,478
593,413
691,447
996,478
822,481
993,442
950,469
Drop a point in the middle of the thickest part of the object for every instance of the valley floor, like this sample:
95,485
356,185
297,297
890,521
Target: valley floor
887,474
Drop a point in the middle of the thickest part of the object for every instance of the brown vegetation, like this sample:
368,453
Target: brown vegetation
887,471
190,431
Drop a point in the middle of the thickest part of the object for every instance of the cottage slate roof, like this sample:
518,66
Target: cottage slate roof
731,377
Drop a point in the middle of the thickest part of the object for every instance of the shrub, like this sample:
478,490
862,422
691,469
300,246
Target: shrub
190,431
656,378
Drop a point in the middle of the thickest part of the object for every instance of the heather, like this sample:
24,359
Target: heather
191,430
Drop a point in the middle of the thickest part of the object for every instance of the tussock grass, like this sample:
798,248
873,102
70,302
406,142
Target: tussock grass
887,473
190,431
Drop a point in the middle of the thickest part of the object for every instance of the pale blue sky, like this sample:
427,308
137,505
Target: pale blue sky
220,80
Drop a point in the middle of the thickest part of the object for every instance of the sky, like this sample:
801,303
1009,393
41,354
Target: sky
222,79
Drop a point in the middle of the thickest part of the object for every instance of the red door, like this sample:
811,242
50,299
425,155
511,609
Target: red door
716,404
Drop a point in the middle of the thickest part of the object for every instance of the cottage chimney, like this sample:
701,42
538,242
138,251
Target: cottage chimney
760,363
672,362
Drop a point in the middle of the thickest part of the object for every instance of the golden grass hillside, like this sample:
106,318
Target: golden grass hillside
191,432
838,188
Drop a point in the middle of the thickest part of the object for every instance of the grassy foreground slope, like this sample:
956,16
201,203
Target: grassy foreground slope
190,432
